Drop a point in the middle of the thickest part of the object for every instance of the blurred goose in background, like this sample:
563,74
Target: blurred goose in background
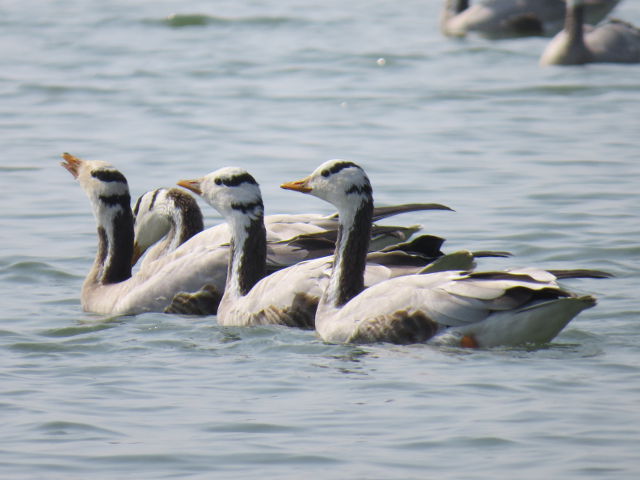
482,309
288,296
613,41
513,18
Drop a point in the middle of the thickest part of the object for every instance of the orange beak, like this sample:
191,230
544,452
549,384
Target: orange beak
193,185
298,186
72,164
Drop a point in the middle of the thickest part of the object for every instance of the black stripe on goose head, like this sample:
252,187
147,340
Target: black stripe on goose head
336,167
154,196
109,176
364,189
236,180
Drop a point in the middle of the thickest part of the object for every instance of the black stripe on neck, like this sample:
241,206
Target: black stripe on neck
246,207
360,189
574,21
109,176
192,221
119,252
252,266
119,267
353,257
336,167
122,199
236,180
103,246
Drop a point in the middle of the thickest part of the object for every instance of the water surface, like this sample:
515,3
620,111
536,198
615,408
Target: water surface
540,162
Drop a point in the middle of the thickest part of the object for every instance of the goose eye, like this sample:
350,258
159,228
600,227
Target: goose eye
218,181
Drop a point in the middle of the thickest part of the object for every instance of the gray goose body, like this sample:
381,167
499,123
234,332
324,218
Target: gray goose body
613,41
513,18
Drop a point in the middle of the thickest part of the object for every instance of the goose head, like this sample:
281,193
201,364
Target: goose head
108,193
342,183
232,191
105,186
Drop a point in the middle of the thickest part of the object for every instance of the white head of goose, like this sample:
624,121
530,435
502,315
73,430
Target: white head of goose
469,309
164,218
613,41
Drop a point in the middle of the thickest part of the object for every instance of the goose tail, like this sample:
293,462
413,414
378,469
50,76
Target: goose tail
535,324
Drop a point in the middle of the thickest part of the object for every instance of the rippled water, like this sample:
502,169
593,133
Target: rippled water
541,162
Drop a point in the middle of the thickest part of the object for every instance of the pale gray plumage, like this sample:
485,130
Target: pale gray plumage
613,41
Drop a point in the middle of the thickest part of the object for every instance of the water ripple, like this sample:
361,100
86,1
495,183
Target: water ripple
29,272
75,431
180,20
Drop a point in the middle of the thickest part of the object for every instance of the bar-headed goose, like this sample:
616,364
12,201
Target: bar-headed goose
288,296
513,18
184,281
613,41
469,309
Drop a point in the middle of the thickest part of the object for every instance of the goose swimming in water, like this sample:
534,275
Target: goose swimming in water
513,18
180,282
613,41
288,296
482,309
188,280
